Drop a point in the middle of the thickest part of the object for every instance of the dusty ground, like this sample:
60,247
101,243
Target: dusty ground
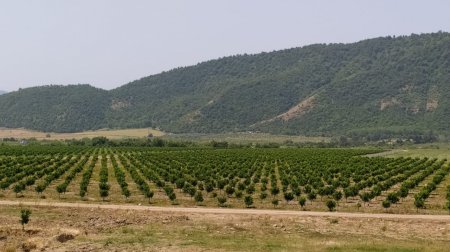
228,211
101,229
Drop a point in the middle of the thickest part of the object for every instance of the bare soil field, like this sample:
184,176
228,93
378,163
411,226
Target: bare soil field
97,228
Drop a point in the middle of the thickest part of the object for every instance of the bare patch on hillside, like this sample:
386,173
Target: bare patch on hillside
433,99
298,110
388,102
193,116
196,114
119,105
415,109
408,88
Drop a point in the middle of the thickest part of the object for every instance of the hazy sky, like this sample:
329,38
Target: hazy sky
108,43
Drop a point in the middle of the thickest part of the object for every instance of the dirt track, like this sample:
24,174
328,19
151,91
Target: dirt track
225,210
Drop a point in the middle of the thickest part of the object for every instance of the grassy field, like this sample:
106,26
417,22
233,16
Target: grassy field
236,138
112,134
436,150
65,229
245,138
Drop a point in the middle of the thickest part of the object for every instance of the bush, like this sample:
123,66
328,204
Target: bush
331,204
263,195
222,200
229,190
386,203
198,197
275,202
419,203
248,200
337,195
288,196
24,217
312,195
302,202
392,197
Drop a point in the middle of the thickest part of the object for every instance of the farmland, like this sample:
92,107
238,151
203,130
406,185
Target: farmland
196,199
20,133
290,179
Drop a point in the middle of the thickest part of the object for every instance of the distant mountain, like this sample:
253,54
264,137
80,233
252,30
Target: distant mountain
2,92
376,85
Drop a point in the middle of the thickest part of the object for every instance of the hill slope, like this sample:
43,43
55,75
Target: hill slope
55,108
391,83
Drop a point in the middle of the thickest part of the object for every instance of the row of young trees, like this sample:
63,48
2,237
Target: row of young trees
182,172
103,177
25,175
18,164
120,177
293,175
29,168
427,166
424,193
137,178
229,186
55,174
62,188
87,174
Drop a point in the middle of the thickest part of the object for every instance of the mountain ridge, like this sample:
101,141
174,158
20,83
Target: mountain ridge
388,83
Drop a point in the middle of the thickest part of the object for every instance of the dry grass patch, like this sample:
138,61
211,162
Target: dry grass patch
128,230
112,134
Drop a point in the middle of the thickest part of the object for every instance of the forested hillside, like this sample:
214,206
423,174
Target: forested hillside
395,84
55,108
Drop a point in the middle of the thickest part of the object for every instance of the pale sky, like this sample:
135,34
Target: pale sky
108,43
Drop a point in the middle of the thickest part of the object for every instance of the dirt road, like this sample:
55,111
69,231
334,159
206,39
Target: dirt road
225,210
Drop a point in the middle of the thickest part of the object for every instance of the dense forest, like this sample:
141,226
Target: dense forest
55,108
389,84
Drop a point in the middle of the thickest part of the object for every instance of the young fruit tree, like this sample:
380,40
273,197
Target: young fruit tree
275,202
386,204
24,217
222,200
419,203
248,201
302,202
198,197
331,204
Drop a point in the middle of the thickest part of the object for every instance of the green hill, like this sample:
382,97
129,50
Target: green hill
390,84
55,108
